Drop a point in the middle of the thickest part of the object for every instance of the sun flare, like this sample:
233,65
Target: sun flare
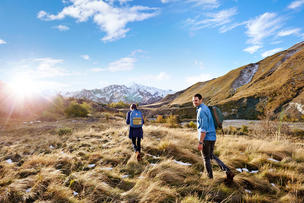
23,86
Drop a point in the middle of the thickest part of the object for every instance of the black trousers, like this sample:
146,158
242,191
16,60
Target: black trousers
136,144
207,154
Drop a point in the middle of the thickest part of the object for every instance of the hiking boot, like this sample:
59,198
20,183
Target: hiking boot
138,157
230,176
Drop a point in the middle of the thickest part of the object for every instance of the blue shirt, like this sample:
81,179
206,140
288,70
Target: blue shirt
205,123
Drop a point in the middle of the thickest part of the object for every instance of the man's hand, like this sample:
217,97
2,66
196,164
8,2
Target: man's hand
200,147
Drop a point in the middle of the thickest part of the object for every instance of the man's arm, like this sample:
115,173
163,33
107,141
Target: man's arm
202,130
201,141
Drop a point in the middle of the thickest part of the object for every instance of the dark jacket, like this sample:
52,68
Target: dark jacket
134,132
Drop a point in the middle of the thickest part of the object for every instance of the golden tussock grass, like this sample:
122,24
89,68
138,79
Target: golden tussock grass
98,164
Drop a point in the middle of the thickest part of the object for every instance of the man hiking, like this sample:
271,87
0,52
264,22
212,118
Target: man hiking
207,137
135,120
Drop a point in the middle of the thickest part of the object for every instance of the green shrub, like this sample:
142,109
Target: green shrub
76,110
172,120
191,124
244,130
160,119
119,104
64,131
49,116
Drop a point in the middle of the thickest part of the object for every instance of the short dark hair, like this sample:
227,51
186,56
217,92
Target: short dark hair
133,106
198,96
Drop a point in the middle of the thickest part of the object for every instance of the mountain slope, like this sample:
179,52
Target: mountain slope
265,88
114,93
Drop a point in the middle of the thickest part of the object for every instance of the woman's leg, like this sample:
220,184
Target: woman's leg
138,144
134,144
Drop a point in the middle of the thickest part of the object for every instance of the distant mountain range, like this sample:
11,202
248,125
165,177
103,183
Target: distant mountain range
135,93
272,87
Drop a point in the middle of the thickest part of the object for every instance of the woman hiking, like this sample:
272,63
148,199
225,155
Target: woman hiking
135,120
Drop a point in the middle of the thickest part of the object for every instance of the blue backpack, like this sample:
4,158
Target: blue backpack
136,119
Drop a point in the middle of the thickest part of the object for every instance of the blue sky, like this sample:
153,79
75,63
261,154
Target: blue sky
169,44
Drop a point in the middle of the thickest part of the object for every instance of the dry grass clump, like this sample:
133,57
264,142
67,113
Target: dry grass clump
94,165
172,174
148,191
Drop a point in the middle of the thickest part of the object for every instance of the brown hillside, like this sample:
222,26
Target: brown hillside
254,90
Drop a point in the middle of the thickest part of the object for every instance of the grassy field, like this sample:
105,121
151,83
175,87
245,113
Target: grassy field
91,160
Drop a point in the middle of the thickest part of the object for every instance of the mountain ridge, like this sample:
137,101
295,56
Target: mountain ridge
135,93
266,88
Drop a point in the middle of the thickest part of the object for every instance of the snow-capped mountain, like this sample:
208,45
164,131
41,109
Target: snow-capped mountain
134,93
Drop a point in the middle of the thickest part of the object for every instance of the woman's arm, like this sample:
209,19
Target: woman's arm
128,118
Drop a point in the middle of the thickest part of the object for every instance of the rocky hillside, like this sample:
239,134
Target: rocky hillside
114,93
271,87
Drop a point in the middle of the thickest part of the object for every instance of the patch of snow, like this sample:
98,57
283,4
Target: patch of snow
51,147
141,177
245,76
248,191
274,160
107,168
239,170
9,161
28,190
272,184
254,171
25,122
182,163
75,193
31,122
125,176
245,169
154,157
153,164
298,106
91,165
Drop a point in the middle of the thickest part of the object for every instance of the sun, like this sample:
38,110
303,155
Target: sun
23,86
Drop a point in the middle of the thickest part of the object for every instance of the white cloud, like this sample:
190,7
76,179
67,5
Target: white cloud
123,64
206,4
262,26
226,28
198,78
136,52
85,57
124,1
284,33
218,19
152,79
110,19
271,52
62,27
296,4
252,49
162,76
98,69
2,41
200,63
47,67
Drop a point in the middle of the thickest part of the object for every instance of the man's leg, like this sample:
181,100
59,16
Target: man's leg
218,161
225,168
207,157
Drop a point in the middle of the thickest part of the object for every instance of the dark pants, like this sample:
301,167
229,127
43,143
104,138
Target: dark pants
207,153
136,143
